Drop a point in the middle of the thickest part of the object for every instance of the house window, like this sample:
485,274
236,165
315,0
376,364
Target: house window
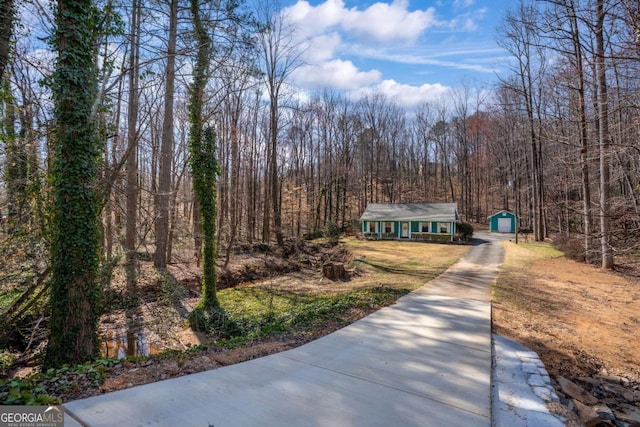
388,227
373,227
444,227
424,227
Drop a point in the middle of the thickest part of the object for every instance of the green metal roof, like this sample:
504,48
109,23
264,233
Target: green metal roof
444,212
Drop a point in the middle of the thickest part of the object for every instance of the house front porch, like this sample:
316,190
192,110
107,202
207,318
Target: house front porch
423,231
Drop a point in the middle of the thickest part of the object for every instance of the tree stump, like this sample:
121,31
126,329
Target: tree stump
334,271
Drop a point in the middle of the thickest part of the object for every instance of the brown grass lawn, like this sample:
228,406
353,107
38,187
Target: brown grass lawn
578,318
373,264
401,264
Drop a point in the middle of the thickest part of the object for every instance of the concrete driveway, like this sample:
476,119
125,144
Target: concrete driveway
424,361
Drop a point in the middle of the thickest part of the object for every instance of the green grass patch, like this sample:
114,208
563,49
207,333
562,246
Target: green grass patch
7,298
261,312
13,285
6,359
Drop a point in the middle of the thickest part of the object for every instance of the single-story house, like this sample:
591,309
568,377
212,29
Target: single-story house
502,222
411,221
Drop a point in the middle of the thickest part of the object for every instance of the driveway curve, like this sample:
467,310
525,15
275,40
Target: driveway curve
424,361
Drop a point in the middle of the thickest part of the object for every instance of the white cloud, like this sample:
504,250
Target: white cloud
407,96
313,20
380,22
387,35
336,74
468,22
388,22
322,47
462,3
462,59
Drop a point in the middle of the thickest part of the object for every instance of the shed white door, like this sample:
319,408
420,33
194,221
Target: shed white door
504,225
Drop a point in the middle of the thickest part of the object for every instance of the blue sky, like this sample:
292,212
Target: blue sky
410,50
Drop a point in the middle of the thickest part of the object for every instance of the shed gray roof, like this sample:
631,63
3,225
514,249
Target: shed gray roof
410,212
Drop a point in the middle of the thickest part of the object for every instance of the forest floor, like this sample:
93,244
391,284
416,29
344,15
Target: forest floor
582,321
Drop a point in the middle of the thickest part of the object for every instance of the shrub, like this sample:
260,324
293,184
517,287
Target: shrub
213,320
331,231
464,230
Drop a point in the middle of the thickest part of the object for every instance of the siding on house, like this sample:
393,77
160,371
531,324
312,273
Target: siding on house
422,221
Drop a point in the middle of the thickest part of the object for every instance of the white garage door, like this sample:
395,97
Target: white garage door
504,225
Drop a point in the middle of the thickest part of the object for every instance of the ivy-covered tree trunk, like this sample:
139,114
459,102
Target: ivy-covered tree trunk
7,15
15,173
74,170
204,170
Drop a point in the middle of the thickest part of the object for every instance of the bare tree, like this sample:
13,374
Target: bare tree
237,78
521,38
15,174
132,141
163,195
280,55
605,138
576,58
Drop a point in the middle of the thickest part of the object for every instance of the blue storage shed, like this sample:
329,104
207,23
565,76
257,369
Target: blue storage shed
502,222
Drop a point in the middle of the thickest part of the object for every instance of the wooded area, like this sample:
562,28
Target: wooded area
106,128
